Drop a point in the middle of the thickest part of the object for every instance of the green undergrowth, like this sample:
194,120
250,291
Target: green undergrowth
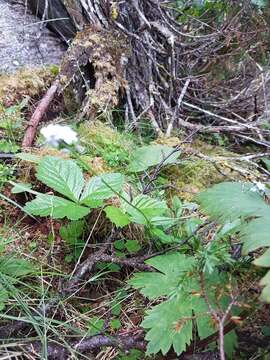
190,215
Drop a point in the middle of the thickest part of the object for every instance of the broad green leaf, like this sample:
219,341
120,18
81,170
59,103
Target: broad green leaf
165,222
231,201
21,187
169,324
172,269
63,176
255,234
265,281
145,209
203,319
263,260
240,201
152,155
132,246
162,236
228,201
56,207
28,157
116,216
102,187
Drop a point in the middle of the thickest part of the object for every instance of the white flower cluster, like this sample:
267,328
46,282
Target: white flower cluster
258,187
55,134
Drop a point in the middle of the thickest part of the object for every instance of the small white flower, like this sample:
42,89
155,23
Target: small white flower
258,187
55,134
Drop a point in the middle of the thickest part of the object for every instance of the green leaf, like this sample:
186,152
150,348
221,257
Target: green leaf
240,201
132,246
72,232
265,281
237,199
8,146
267,163
171,268
263,260
21,187
265,330
56,207
28,157
144,209
116,216
228,202
119,244
162,236
169,325
63,176
151,155
230,343
95,326
102,187
115,324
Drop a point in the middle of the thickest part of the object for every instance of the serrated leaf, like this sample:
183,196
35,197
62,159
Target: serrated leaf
100,188
228,201
263,260
116,216
28,157
63,176
240,201
152,155
203,320
56,207
231,201
171,267
230,343
132,246
170,325
21,187
145,209
265,281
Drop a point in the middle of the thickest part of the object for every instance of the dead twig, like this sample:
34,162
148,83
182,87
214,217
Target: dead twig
38,114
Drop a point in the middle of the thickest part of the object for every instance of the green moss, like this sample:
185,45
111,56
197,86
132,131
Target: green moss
103,141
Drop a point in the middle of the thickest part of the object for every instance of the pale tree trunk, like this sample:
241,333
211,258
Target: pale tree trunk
135,53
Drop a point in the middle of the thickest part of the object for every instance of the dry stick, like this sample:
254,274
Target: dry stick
223,118
38,114
56,351
179,102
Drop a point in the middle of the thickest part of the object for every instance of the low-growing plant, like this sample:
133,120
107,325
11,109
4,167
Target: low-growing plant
192,288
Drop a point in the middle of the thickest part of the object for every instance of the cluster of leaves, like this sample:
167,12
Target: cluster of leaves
244,202
10,127
180,302
171,321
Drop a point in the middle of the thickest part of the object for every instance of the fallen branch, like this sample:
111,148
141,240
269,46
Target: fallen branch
55,351
38,114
